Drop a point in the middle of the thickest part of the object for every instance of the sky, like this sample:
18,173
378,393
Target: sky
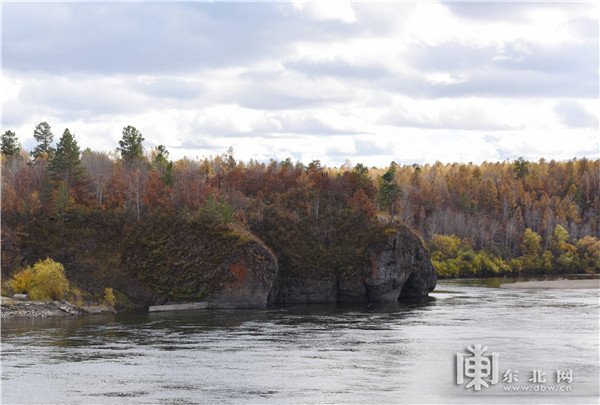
371,83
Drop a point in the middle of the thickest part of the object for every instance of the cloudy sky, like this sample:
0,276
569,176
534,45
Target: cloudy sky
404,81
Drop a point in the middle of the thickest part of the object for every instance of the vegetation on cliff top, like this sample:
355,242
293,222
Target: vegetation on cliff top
182,258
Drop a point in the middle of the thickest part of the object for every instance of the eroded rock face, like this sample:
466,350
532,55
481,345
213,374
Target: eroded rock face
250,279
422,279
399,266
293,290
182,260
387,275
171,259
225,270
352,290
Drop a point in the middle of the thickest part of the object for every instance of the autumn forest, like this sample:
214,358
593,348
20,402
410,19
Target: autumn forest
494,218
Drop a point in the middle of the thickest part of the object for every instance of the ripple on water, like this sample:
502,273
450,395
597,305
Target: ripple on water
303,354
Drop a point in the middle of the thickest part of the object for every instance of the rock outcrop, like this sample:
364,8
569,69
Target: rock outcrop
176,259
191,261
398,266
298,290
249,281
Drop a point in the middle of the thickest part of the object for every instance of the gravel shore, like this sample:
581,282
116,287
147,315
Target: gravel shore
12,308
554,284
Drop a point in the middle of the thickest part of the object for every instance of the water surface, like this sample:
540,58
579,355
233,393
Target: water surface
397,353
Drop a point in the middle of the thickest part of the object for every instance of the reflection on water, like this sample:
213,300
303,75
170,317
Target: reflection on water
385,353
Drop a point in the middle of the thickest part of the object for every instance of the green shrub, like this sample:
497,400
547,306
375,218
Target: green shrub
217,210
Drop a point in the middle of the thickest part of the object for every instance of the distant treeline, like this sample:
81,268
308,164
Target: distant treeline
492,218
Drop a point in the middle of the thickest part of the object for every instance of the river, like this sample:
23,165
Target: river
397,353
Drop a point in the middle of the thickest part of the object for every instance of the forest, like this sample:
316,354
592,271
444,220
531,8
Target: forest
495,218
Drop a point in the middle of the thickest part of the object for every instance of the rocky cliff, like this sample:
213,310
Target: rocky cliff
400,267
397,266
163,260
185,261
250,280
174,259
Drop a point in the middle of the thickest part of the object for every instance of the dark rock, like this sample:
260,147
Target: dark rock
294,290
139,295
387,275
399,266
178,260
169,259
272,297
353,289
422,278
250,280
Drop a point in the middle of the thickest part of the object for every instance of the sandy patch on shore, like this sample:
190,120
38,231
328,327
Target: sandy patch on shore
554,284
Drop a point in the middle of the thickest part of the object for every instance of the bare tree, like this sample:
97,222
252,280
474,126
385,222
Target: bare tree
493,228
510,231
135,178
100,170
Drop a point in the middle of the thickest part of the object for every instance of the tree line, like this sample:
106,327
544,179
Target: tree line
476,219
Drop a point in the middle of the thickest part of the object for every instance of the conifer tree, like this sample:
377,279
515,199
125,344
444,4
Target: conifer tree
521,168
389,191
66,162
163,165
130,145
43,135
10,146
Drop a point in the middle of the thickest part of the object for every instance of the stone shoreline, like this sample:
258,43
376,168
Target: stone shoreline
554,284
12,308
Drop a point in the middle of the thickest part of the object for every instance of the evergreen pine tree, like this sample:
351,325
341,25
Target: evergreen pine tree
521,168
66,162
10,145
130,145
43,135
389,191
163,165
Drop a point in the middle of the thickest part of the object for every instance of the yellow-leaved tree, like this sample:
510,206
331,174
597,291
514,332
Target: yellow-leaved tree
44,281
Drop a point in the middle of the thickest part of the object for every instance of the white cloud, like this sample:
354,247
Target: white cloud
444,78
574,115
500,23
410,82
328,10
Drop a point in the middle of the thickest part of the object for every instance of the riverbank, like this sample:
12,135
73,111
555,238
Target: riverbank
554,284
11,308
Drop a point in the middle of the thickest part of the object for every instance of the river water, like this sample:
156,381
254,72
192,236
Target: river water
398,353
